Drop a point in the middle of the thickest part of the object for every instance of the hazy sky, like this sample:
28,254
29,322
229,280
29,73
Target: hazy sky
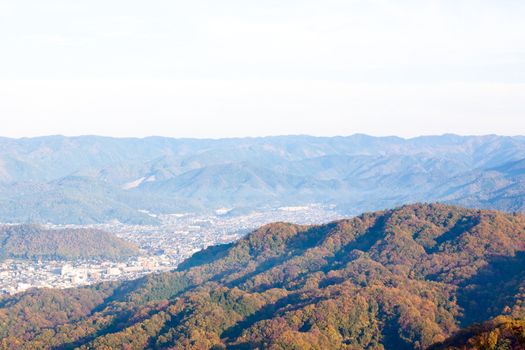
246,68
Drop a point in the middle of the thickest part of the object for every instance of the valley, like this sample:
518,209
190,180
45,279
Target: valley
262,175
405,278
93,180
162,247
262,243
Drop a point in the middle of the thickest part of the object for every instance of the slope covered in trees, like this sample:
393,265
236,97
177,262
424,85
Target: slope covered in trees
35,242
501,333
399,279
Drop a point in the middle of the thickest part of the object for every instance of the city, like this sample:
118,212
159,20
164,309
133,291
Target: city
163,247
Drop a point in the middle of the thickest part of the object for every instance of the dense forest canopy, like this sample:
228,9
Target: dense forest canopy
405,278
501,333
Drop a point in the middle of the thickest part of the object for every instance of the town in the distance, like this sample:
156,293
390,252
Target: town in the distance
162,247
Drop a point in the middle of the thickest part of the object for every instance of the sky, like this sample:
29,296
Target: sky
205,68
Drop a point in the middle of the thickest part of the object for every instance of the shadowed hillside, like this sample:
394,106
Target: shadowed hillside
501,333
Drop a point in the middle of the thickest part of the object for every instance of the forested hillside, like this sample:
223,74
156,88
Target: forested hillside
501,333
398,279
35,242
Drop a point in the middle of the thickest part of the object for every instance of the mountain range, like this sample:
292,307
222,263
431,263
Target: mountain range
91,179
406,278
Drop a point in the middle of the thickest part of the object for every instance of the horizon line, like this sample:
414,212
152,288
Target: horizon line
258,137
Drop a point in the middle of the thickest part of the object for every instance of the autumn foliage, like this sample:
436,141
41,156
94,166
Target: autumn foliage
405,278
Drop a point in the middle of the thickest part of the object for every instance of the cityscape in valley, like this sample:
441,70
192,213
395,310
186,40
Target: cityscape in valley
162,247
262,175
354,242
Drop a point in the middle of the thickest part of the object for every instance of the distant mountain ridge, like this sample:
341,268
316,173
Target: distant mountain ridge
92,179
405,278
